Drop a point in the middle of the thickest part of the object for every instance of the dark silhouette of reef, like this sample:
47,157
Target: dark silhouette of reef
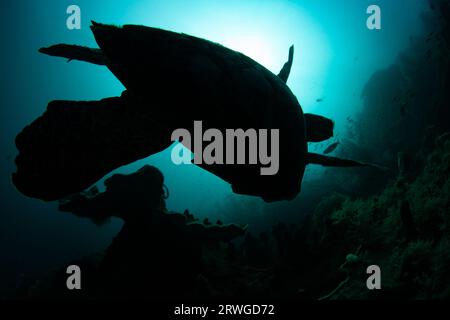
404,229
156,254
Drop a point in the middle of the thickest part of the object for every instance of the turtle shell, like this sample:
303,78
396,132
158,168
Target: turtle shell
172,80
184,78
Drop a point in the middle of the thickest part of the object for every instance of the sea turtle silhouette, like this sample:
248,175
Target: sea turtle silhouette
171,80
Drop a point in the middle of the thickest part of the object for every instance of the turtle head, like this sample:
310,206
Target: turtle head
318,128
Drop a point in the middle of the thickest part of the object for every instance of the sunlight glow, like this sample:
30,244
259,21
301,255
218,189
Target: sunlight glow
264,31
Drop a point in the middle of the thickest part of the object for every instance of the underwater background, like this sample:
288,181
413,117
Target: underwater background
385,90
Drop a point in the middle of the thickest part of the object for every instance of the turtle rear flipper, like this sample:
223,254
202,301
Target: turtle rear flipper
75,52
75,143
318,128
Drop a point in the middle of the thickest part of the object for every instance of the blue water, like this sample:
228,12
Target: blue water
335,54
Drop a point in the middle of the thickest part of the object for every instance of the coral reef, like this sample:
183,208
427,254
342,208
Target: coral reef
155,249
404,229
401,113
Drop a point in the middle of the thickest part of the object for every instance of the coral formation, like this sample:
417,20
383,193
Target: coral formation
404,229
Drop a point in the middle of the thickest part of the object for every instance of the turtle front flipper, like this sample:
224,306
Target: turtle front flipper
75,143
328,161
286,70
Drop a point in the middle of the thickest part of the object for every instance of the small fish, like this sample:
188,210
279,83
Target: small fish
331,148
319,100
